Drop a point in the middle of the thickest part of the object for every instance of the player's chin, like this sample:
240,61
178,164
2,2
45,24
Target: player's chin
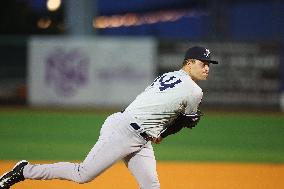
204,77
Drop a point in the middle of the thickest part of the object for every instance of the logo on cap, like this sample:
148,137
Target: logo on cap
199,53
207,53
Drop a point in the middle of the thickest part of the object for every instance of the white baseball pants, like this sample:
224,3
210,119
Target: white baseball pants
117,141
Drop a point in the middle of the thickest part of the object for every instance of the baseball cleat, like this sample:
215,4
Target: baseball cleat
12,177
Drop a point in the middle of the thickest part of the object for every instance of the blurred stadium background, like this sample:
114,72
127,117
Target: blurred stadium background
245,36
67,64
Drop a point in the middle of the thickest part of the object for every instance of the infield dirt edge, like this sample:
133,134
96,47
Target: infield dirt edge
181,175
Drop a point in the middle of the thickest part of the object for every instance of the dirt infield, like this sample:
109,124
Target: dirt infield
177,175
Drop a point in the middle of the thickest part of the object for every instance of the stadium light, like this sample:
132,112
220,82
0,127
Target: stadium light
53,5
133,19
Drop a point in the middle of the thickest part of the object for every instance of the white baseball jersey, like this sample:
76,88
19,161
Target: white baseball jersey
168,95
153,109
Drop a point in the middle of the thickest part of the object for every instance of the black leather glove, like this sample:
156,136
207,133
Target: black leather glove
182,120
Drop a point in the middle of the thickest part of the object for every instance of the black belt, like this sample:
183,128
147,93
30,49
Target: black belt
143,134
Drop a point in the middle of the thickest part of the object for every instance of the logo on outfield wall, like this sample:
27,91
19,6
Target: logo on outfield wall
66,71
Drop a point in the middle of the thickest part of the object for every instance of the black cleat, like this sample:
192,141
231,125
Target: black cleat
12,177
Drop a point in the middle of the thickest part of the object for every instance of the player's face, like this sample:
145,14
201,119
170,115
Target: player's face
199,70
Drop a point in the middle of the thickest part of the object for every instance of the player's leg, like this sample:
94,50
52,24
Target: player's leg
116,141
143,166
99,159
110,147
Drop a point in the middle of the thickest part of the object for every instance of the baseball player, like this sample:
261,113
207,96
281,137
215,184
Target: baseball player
165,107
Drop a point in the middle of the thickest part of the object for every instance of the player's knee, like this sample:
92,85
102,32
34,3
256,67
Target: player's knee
83,175
84,179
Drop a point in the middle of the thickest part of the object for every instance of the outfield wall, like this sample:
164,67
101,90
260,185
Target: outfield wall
102,72
282,78
248,74
110,72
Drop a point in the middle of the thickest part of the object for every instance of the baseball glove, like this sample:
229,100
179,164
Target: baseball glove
182,121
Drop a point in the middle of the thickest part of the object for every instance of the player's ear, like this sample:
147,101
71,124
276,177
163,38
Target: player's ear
190,62
186,62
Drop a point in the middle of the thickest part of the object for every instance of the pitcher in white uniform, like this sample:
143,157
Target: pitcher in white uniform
128,135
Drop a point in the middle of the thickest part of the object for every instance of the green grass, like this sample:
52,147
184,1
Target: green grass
59,135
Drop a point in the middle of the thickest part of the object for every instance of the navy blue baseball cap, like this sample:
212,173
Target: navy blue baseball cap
199,53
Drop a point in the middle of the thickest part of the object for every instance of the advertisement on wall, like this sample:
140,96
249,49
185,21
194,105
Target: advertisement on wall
95,72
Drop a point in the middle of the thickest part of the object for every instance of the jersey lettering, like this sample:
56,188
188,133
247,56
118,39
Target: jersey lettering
155,81
166,83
